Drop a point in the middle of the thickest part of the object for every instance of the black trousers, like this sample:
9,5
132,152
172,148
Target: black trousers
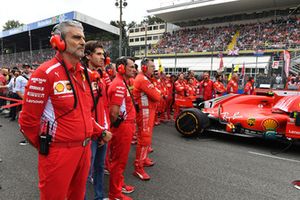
13,110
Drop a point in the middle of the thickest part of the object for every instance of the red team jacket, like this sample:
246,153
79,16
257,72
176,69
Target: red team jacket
49,98
145,93
118,95
249,89
232,87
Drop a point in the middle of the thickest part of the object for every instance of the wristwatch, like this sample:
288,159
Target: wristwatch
103,134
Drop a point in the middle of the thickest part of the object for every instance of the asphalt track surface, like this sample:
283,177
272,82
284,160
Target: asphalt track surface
210,167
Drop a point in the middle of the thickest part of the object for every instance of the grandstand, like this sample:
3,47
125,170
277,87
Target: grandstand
252,33
30,43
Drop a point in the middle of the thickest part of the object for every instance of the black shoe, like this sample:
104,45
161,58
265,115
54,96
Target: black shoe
12,119
7,116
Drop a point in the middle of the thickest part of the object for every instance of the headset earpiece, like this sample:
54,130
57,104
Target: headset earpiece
57,42
144,68
121,69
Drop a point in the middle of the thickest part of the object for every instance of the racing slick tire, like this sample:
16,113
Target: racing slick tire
191,122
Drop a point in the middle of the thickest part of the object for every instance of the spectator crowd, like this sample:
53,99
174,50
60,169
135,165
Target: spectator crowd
253,36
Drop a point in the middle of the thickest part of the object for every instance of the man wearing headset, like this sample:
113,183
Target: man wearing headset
57,119
147,96
122,115
95,60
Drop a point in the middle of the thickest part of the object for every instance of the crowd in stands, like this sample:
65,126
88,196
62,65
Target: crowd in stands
18,59
256,36
36,57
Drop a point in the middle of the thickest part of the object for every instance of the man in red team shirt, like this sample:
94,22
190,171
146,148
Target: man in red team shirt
219,87
169,87
249,87
57,110
232,86
179,86
207,86
94,60
122,115
147,96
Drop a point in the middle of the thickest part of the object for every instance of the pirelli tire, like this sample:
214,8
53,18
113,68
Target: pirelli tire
191,121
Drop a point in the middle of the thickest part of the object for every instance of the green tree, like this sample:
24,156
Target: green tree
10,24
125,28
150,20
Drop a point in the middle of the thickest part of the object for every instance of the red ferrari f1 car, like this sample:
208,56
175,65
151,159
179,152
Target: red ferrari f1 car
267,116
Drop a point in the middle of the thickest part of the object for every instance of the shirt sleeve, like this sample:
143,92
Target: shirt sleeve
10,84
18,84
35,98
229,87
150,90
97,128
118,94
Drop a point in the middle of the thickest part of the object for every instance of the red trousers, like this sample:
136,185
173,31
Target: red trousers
119,147
63,173
145,121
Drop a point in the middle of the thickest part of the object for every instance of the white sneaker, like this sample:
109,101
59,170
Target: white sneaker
23,142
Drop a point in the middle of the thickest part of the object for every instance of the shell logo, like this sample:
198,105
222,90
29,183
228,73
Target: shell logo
59,87
270,124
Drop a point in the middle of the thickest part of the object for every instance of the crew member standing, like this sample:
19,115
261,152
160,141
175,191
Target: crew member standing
122,115
95,57
190,89
219,87
179,86
169,87
57,110
207,87
147,96
232,86
249,87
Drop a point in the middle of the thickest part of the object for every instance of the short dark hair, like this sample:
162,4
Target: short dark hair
123,60
146,60
91,45
218,75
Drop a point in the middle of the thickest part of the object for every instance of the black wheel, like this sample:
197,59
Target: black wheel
191,122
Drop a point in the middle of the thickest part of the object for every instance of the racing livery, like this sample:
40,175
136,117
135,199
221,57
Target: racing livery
267,116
